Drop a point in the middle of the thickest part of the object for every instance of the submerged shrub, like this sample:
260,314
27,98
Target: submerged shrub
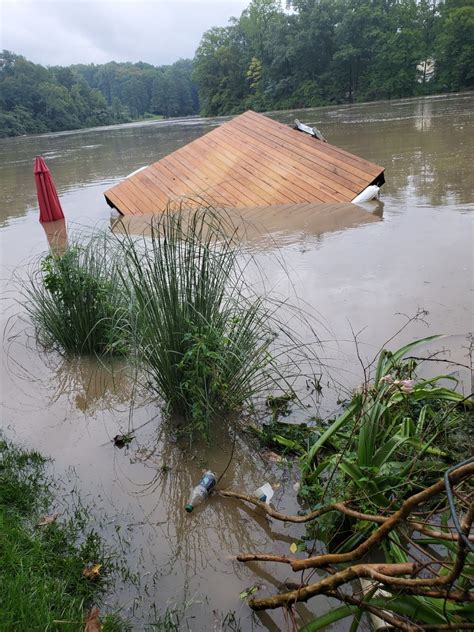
77,301
202,336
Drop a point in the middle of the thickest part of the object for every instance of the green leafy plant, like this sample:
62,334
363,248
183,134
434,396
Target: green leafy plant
77,301
392,435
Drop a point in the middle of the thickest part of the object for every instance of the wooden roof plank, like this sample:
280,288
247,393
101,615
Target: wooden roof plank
287,173
337,175
218,176
143,194
196,180
146,178
223,166
134,197
310,148
299,170
118,202
301,143
163,180
364,165
249,169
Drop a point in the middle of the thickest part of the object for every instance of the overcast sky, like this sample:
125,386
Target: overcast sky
63,32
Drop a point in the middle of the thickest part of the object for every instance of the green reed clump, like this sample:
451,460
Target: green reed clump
202,336
77,301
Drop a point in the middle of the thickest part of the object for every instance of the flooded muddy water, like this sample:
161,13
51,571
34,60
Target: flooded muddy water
416,252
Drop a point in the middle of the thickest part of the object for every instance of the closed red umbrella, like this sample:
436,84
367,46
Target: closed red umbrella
49,204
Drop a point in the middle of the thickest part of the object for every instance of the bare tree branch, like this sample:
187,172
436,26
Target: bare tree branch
340,507
463,472
331,583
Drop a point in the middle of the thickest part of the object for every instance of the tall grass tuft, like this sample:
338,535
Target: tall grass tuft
202,336
77,301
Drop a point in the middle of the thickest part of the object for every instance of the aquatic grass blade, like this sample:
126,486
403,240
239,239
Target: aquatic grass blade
336,614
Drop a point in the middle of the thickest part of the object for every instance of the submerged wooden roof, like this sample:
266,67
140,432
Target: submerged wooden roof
271,225
248,161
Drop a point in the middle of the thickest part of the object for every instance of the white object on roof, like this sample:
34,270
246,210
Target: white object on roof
369,193
313,131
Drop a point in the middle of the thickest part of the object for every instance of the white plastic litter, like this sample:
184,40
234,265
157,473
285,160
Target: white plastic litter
264,493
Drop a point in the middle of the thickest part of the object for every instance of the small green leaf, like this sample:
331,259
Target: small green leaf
249,591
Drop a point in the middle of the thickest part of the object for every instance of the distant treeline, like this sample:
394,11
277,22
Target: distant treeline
318,52
35,99
303,54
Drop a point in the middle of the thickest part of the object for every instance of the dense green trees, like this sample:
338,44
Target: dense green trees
142,88
309,53
36,99
315,52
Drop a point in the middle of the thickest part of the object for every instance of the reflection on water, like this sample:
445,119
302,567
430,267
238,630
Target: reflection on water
274,226
423,115
413,249
56,234
90,383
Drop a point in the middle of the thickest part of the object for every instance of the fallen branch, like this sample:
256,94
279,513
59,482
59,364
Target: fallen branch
459,596
397,578
433,533
341,508
386,527
264,557
393,619
276,514
332,583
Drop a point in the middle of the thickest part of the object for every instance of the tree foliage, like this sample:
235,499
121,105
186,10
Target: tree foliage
36,99
316,52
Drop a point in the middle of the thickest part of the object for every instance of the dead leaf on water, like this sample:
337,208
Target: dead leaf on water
45,520
293,547
92,572
92,621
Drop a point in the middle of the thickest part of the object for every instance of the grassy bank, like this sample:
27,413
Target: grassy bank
45,558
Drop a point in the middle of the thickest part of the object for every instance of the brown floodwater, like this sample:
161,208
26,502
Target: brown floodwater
354,274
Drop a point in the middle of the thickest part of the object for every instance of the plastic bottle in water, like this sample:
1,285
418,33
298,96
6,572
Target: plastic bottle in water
202,490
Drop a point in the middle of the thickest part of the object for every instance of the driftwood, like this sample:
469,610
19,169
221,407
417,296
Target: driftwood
332,582
397,578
